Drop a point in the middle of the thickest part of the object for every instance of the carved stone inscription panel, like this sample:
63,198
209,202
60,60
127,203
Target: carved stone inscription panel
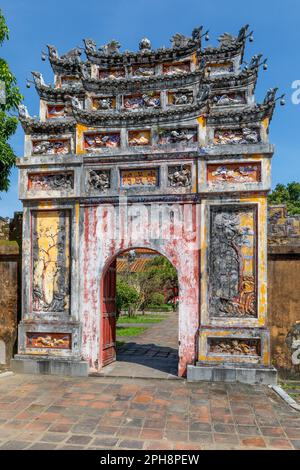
51,261
232,262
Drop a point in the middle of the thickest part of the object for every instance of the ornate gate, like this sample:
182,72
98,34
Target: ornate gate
163,149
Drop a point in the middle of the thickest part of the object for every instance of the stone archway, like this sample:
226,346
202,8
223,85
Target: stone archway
146,349
100,247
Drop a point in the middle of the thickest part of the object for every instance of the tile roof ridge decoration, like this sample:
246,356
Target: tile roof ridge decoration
33,124
181,46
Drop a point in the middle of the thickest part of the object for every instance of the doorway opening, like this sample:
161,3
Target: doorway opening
139,316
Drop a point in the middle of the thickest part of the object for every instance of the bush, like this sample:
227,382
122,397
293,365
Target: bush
157,299
126,297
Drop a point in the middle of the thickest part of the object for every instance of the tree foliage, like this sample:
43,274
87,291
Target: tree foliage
126,297
287,194
159,278
8,105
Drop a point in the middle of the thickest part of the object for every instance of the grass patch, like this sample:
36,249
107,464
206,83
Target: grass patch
130,331
141,319
119,344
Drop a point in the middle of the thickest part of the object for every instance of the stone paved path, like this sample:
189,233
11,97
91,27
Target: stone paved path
153,354
47,412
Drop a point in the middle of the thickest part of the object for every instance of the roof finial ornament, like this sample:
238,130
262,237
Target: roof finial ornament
38,78
145,45
197,33
53,54
242,33
270,96
179,40
23,112
112,47
90,45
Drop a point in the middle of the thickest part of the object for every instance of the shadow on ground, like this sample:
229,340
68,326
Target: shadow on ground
157,357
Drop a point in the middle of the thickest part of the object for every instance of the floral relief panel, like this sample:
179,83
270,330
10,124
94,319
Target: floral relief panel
51,261
232,262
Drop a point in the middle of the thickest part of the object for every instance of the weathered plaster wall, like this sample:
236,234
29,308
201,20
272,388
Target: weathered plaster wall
10,231
107,231
284,290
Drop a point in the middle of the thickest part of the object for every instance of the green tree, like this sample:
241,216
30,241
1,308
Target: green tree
127,298
10,99
287,194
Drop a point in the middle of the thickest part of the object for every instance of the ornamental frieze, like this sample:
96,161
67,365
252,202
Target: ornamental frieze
48,340
98,180
232,262
214,70
51,147
228,99
136,138
56,111
177,68
143,71
146,100
180,97
180,176
111,74
104,103
58,181
94,141
175,136
245,135
234,173
244,347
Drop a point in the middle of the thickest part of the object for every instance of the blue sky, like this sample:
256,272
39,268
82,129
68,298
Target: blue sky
64,23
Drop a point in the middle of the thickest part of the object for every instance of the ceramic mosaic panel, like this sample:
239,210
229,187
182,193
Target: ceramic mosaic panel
219,69
48,181
94,141
176,68
49,340
111,73
175,136
51,147
143,71
142,101
104,103
234,346
136,138
55,111
182,97
232,262
51,260
236,136
234,173
228,99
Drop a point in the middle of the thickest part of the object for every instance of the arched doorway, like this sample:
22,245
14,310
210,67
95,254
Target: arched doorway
139,329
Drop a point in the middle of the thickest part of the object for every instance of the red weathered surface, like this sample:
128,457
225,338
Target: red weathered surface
107,232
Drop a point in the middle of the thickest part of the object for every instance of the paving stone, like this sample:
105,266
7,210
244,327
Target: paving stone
14,445
131,444
42,446
79,439
105,441
253,442
53,437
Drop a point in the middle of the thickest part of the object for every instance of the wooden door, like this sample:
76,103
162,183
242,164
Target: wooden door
108,319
